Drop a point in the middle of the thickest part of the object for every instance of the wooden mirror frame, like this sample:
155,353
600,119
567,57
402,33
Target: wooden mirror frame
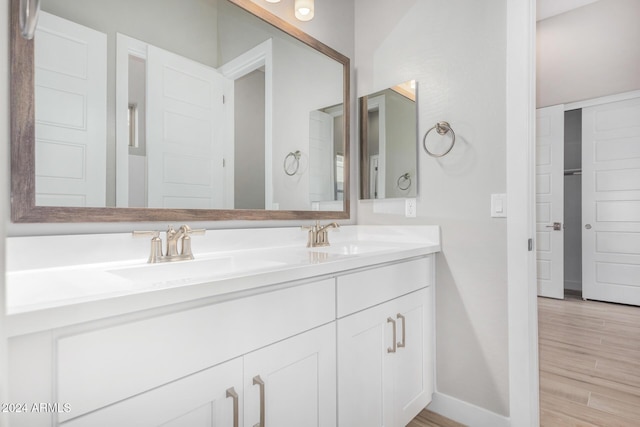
23,206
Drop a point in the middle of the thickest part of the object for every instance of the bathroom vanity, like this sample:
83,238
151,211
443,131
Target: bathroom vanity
249,333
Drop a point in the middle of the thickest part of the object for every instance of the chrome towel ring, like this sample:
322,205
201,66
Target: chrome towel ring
442,128
294,165
404,181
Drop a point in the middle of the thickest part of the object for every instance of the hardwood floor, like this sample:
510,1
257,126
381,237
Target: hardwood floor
589,363
427,418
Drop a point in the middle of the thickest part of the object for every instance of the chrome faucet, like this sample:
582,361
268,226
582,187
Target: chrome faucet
173,236
319,235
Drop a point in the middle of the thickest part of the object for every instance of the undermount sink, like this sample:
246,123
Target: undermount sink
351,248
189,270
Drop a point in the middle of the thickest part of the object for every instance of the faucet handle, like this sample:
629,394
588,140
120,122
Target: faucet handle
152,234
156,243
192,231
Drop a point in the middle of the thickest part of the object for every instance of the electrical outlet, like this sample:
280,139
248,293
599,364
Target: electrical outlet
410,208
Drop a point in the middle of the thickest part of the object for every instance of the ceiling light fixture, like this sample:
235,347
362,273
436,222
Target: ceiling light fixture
273,1
304,10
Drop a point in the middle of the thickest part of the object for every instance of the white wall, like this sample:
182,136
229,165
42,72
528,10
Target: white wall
589,52
457,52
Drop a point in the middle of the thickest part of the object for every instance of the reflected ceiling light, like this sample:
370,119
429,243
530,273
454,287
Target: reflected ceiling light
304,10
273,1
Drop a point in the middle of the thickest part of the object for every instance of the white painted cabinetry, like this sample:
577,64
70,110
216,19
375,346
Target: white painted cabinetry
385,368
290,383
383,358
350,349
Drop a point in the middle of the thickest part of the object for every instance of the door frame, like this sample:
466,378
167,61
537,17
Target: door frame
521,275
260,56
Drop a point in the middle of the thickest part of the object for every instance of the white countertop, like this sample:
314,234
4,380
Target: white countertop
55,281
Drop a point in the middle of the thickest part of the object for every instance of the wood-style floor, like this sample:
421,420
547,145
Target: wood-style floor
589,363
427,418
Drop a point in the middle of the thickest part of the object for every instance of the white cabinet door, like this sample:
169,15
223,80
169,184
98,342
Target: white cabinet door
293,383
413,379
382,381
205,399
364,368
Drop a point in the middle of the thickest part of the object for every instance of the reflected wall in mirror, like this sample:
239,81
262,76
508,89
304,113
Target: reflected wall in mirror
388,143
181,105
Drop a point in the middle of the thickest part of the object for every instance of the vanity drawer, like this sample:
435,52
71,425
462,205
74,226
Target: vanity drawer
103,366
367,288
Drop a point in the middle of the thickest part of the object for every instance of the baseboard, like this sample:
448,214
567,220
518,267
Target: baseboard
466,413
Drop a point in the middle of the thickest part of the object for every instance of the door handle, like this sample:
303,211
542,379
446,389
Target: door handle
588,226
258,381
231,392
392,349
404,327
557,226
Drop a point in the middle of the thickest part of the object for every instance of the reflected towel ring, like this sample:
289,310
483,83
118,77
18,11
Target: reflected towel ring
442,128
295,163
404,179
28,17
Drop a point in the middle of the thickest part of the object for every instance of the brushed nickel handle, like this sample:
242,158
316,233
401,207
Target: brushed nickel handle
404,324
258,381
557,226
231,392
392,349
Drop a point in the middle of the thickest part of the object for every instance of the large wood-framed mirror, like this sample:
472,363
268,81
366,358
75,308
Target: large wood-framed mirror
120,114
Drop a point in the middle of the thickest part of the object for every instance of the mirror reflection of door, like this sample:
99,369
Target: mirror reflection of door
70,113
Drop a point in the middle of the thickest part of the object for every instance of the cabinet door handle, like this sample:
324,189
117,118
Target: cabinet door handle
392,349
258,381
231,392
404,327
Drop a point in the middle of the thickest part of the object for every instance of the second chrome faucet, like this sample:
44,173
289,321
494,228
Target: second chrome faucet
173,236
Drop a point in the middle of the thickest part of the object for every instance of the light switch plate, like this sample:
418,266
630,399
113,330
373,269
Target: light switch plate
499,205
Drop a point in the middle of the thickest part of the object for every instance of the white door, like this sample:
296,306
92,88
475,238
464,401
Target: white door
611,202
550,201
204,399
71,113
293,382
185,147
321,158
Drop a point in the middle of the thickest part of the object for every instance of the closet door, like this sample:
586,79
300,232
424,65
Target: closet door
611,202
550,201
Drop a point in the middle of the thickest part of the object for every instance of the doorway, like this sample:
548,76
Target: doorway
588,199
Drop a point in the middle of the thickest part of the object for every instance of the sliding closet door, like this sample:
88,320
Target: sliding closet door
611,202
550,201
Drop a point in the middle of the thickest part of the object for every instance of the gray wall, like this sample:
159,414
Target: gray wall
457,52
589,52
249,142
401,143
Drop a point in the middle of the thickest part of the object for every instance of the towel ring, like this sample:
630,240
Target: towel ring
442,128
404,179
296,162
